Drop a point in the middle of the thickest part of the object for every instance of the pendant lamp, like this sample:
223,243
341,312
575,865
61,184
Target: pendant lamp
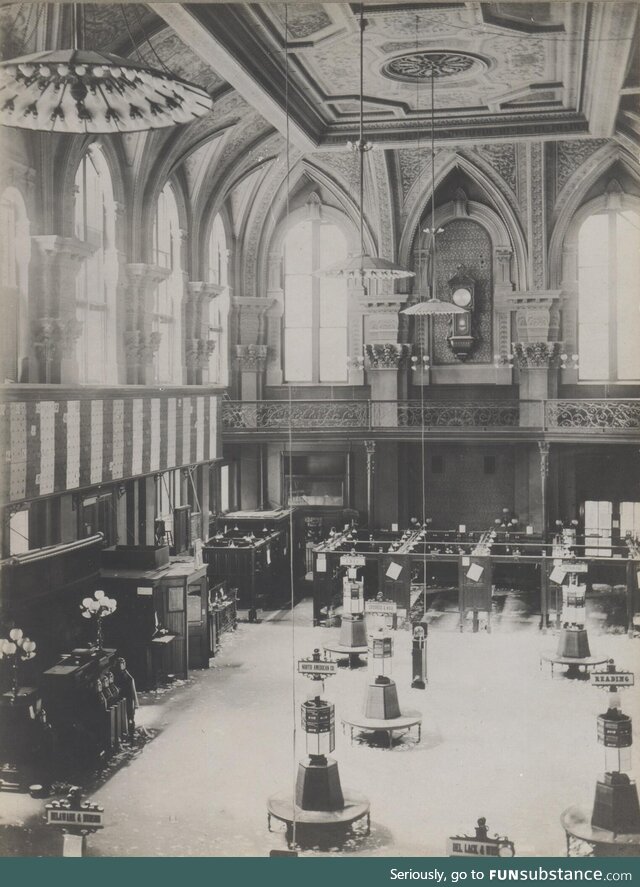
432,305
363,266
85,91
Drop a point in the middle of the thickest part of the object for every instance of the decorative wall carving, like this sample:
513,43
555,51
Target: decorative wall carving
465,242
570,155
303,21
537,238
503,160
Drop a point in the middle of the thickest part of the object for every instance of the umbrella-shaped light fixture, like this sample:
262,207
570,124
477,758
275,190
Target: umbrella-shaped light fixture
83,91
432,305
363,266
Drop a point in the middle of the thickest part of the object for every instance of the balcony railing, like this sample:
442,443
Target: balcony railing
552,416
607,414
366,414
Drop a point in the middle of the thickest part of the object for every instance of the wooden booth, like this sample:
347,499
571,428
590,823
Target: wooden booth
161,622
251,551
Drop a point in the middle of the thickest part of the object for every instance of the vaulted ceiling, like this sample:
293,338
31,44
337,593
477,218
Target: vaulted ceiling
505,73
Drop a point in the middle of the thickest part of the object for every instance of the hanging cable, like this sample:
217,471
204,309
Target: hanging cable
361,138
134,45
423,337
151,46
290,445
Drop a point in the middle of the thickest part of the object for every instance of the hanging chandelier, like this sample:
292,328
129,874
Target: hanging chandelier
83,91
432,305
363,266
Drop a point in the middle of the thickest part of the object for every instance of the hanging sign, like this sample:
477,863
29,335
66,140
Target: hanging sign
475,572
352,560
393,570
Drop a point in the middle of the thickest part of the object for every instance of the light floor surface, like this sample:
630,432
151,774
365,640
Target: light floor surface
500,739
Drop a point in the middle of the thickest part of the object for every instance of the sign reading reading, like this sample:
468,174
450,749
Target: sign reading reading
611,679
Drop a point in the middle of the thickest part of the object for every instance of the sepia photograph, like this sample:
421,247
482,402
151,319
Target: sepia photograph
320,430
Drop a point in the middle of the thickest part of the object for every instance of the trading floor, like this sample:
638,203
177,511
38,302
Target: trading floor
500,739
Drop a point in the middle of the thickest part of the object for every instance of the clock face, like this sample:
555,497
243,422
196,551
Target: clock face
462,297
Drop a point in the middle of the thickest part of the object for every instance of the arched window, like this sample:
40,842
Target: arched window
14,269
96,282
167,309
315,308
218,306
609,304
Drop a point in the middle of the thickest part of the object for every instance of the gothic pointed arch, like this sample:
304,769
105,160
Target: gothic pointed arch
597,167
500,216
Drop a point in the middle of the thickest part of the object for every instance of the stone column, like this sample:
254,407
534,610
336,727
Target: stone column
252,351
141,342
370,450
56,327
544,450
274,315
502,292
382,362
538,372
198,342
383,356
251,361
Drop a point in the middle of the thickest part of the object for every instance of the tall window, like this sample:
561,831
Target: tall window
315,308
167,309
218,307
14,269
98,274
598,528
609,301
630,519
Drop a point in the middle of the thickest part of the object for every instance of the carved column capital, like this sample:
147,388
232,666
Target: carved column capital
251,358
536,355
199,290
386,355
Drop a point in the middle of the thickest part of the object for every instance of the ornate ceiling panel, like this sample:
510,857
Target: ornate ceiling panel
503,70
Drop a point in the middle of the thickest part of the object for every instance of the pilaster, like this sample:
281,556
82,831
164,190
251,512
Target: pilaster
384,357
55,324
252,351
141,341
199,346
